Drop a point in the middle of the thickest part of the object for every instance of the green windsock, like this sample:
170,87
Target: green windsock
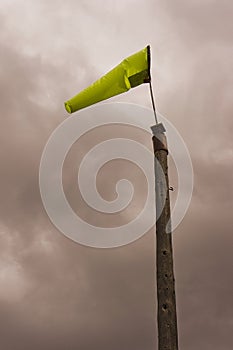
131,72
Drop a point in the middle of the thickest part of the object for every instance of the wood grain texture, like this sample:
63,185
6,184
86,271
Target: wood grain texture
166,307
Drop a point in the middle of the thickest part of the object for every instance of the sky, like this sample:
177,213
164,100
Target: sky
55,293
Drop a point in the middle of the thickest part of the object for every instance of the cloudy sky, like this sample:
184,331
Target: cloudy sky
57,294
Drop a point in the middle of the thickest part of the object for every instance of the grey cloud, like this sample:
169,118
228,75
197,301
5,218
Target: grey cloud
57,294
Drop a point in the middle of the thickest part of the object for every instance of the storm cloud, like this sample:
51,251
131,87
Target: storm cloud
57,294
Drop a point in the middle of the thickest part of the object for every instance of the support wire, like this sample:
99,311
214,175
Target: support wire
153,103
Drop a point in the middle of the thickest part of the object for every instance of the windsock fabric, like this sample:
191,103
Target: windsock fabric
131,72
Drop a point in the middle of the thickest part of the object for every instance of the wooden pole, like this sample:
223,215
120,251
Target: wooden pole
166,309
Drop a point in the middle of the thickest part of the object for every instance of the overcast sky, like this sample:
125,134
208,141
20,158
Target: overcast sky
57,294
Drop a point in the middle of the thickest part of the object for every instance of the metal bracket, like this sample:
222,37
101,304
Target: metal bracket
158,129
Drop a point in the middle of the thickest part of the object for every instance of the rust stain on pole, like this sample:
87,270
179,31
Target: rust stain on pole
166,307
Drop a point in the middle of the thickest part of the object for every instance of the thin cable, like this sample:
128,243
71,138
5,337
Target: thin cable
153,103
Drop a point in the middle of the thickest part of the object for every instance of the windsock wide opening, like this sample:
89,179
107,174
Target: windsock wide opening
149,60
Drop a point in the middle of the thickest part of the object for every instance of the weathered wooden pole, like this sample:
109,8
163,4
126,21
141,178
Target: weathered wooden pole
166,307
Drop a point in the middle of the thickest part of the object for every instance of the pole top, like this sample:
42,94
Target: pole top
159,138
158,129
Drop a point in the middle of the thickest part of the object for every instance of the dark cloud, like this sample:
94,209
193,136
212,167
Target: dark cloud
54,293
